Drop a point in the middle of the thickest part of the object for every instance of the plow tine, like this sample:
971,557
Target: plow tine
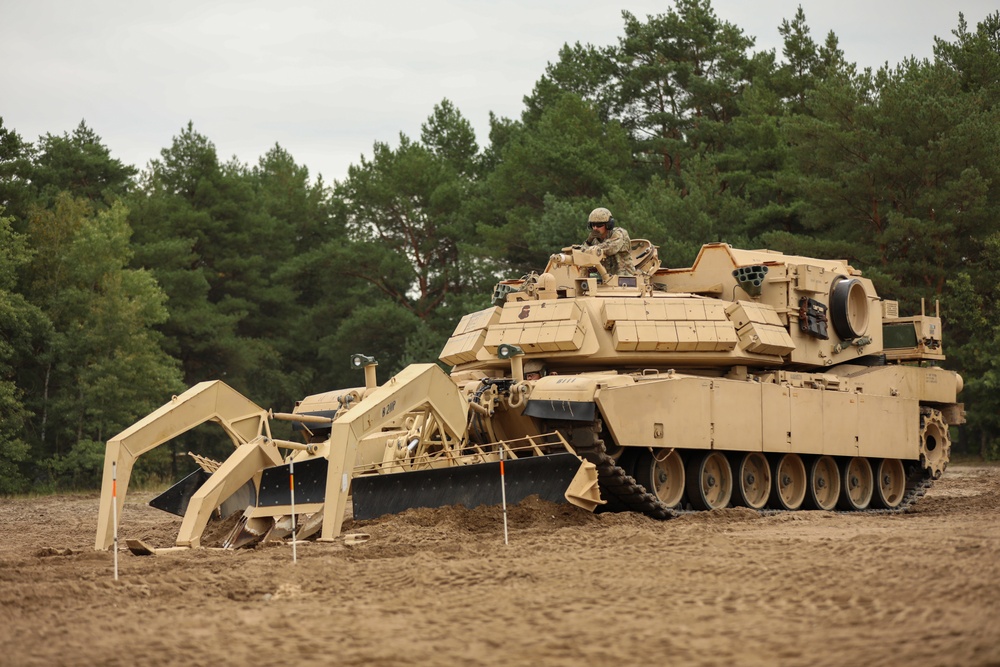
469,485
248,532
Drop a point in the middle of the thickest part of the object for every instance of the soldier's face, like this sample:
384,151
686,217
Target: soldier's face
599,228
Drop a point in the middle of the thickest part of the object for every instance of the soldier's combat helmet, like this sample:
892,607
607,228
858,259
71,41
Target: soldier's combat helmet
601,215
535,366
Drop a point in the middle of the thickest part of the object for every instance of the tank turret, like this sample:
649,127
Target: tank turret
731,308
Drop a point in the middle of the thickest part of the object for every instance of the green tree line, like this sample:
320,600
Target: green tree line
121,286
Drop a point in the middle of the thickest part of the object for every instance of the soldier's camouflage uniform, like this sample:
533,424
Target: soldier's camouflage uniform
616,251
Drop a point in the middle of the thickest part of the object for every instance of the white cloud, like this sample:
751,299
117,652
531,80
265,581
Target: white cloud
327,79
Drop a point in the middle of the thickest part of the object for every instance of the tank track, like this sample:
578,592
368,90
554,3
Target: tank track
621,489
918,481
616,485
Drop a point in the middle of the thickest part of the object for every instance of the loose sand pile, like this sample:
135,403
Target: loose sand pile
438,587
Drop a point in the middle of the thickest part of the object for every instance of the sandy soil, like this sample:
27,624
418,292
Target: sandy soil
439,587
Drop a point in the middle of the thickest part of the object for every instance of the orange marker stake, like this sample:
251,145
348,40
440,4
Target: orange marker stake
114,509
291,483
503,496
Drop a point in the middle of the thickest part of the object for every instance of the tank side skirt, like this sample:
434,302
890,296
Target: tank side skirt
717,413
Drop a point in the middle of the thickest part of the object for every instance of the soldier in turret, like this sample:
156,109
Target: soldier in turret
612,244
534,369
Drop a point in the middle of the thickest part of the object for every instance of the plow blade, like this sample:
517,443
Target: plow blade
175,499
548,477
310,484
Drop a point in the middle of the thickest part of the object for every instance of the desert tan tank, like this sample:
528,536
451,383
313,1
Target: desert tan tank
751,378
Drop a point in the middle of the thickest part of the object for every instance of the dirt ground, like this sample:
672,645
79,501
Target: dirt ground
439,587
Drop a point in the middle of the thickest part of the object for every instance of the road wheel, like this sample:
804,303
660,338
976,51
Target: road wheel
856,483
709,480
789,482
753,480
890,484
661,472
823,488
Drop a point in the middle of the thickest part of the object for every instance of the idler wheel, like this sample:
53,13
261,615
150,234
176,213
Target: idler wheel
661,472
753,480
823,488
709,480
856,484
789,482
890,484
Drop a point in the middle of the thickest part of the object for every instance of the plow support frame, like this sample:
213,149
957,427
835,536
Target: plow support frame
414,387
237,470
241,419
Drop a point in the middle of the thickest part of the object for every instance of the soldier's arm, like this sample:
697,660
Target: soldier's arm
614,244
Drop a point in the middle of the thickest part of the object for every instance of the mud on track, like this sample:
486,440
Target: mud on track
438,587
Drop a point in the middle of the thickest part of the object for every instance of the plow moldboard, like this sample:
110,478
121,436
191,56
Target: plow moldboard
470,486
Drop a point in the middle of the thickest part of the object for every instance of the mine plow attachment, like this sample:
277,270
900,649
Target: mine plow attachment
436,414
476,478
215,401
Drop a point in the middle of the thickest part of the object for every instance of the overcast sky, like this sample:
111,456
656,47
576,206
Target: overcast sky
327,79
